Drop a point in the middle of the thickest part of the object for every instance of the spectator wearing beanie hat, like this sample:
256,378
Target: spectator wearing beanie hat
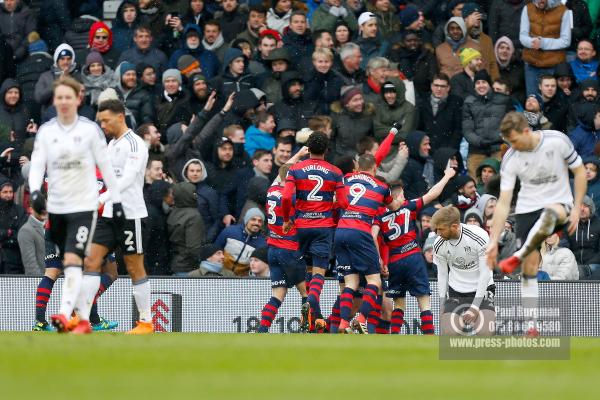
239,241
208,61
174,104
472,14
28,72
188,66
64,63
96,76
136,96
329,13
101,40
461,84
211,263
352,120
482,114
412,19
259,263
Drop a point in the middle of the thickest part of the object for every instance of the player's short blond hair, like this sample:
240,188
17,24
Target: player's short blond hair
68,82
513,121
446,216
283,170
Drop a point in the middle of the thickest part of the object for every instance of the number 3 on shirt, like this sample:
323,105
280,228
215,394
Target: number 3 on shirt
271,211
312,196
395,229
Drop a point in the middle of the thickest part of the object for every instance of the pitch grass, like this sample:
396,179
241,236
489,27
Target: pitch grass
243,366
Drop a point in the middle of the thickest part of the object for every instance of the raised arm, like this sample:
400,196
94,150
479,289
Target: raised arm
438,188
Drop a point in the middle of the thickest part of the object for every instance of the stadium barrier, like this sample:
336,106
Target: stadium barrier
231,305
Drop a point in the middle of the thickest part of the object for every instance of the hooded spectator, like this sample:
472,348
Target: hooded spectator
209,63
511,66
418,175
488,168
14,115
558,262
444,158
186,228
487,206
587,93
222,176
123,28
235,76
194,171
239,241
393,107
101,40
293,105
565,79
96,76
278,62
64,63
211,263
16,22
473,217
157,247
447,53
12,218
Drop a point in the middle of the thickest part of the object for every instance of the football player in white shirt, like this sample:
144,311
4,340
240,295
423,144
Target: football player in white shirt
465,281
67,149
541,160
129,156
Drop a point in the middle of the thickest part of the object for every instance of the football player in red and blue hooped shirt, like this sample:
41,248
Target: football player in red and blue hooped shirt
287,267
407,268
316,183
355,248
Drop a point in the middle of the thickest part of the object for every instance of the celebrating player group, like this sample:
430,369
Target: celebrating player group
367,230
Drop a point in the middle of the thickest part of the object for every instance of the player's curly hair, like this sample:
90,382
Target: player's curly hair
317,143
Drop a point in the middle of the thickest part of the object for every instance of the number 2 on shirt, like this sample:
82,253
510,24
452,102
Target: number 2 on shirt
312,196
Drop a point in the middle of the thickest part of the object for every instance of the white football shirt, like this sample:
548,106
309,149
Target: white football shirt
69,155
543,172
129,156
462,264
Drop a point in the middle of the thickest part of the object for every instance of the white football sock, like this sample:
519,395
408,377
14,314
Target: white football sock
141,294
529,299
70,289
89,289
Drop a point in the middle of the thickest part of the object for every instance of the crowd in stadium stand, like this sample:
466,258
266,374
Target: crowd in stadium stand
446,71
